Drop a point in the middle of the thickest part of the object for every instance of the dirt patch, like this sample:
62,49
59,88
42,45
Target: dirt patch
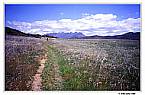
36,84
18,74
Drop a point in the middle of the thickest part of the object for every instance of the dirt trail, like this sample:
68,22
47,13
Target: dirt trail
36,84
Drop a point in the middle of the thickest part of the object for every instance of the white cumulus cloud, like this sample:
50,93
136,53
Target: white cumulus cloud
98,24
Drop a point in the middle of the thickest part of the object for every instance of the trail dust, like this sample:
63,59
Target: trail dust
36,84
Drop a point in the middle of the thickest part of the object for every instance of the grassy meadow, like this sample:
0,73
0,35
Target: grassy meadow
73,64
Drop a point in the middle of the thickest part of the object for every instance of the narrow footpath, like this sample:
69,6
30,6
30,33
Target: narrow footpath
36,84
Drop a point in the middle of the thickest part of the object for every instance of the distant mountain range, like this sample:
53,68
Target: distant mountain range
75,35
129,35
67,35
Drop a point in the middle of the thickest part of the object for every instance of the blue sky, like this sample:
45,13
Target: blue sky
20,15
32,12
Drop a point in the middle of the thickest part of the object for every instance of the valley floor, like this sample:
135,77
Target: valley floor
72,64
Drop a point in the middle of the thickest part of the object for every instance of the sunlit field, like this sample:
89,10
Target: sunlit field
73,64
21,61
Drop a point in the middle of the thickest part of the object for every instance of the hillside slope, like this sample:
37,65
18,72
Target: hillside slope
130,36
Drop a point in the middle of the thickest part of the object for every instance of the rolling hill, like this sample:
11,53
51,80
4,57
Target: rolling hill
10,31
130,36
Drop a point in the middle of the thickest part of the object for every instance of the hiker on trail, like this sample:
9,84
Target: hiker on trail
47,39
